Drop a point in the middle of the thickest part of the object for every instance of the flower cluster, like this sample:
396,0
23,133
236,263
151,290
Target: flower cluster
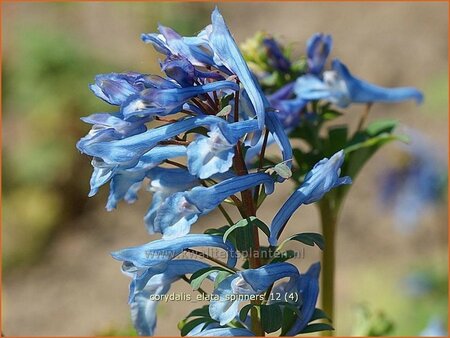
307,96
291,85
212,115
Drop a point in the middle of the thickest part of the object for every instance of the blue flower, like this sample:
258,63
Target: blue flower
318,47
288,108
277,135
146,289
115,88
226,53
224,307
161,252
108,127
223,332
212,154
179,211
164,183
342,88
180,69
126,152
153,270
322,178
165,101
196,49
125,183
276,56
307,287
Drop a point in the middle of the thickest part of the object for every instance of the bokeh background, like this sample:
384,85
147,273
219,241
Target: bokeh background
58,277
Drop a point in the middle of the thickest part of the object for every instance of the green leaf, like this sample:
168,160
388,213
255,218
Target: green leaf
328,114
199,276
244,311
220,277
337,139
225,100
271,317
319,314
381,126
225,111
289,317
200,312
317,327
309,238
193,323
217,232
197,130
376,141
243,231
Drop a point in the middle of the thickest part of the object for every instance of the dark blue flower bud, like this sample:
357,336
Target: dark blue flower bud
179,69
276,56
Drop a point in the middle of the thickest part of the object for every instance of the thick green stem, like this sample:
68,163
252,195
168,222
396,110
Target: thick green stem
328,216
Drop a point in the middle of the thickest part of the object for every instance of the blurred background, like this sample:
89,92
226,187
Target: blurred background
58,276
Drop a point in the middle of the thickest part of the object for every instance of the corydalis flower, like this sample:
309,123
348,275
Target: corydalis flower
318,48
276,55
178,212
249,282
153,269
340,87
180,69
214,47
323,177
227,53
143,299
224,332
160,252
214,154
164,183
165,101
233,290
125,183
288,108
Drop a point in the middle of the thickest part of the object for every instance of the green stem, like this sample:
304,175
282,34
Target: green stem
328,216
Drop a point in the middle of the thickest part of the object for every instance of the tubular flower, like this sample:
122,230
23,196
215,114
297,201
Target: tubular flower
161,252
318,48
223,332
322,178
179,211
276,56
164,183
340,87
146,291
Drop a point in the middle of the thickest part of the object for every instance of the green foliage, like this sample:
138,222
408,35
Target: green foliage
309,238
195,318
359,147
282,315
199,276
243,230
373,324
